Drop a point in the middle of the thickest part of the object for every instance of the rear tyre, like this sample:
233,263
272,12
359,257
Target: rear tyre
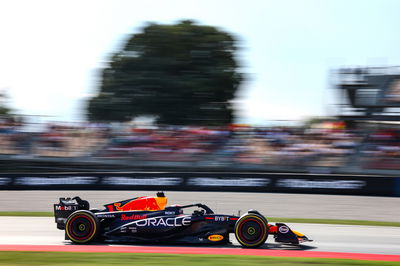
251,230
82,227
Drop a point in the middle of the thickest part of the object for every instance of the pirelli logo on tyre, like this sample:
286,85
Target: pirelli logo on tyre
215,238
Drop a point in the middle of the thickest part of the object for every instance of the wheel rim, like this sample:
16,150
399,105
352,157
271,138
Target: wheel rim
251,231
81,227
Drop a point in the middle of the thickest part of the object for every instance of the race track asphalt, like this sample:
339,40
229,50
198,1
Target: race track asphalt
269,204
332,238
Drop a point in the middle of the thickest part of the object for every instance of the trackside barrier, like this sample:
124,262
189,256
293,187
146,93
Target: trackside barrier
236,182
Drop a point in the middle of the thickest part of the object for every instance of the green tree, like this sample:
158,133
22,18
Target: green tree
182,74
4,110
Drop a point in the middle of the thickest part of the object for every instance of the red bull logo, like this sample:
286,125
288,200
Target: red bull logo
132,217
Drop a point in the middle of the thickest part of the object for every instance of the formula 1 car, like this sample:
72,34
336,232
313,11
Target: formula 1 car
148,220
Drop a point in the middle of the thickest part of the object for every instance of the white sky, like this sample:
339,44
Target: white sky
50,51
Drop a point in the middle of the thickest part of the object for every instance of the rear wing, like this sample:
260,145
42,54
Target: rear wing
65,207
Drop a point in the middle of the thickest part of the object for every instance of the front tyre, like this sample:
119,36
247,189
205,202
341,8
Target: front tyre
251,230
82,227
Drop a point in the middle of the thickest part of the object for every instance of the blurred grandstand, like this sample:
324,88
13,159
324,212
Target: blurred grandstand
363,138
328,146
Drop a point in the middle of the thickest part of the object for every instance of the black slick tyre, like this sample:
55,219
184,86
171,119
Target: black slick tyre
82,227
251,230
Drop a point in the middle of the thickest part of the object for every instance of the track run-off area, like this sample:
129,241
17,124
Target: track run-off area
330,241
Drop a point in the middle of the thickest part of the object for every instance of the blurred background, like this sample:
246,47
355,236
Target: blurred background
227,85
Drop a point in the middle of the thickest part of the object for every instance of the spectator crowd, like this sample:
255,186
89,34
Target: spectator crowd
322,146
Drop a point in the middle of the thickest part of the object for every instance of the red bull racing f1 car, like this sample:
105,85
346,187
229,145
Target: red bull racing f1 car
150,220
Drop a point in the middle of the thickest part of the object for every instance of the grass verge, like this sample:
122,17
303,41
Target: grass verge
66,258
270,219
